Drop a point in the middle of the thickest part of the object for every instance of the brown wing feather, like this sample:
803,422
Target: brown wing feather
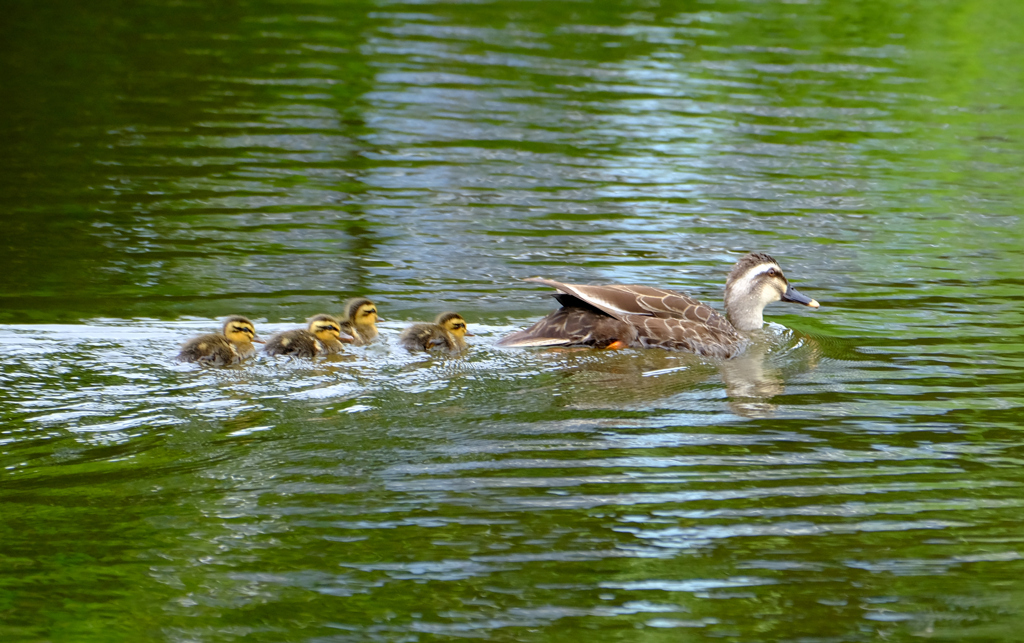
611,300
683,334
574,326
619,300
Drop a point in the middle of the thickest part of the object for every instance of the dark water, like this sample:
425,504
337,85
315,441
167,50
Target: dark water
854,476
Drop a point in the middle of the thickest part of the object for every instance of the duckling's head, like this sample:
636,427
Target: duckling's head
326,328
756,281
453,324
239,330
361,312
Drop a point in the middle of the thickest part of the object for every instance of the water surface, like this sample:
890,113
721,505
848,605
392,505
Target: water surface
854,476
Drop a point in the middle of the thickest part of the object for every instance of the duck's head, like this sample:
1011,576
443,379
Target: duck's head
361,312
756,281
453,324
239,330
326,328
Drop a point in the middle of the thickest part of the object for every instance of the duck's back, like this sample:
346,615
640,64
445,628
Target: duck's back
212,349
425,337
294,343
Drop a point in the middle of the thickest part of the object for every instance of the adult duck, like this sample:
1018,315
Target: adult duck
620,316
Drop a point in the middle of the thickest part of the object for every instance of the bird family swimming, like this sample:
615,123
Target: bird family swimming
448,332
233,345
600,316
621,316
322,337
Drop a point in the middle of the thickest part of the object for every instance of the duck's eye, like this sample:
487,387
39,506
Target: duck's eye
771,272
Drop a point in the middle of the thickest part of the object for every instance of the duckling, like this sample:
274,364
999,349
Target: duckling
360,320
230,347
447,332
322,337
621,316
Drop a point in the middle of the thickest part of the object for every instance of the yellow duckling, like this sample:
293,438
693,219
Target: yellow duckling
230,347
360,320
448,332
322,337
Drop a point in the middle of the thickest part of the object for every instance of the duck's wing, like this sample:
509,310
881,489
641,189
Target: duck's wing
684,334
619,300
574,326
661,318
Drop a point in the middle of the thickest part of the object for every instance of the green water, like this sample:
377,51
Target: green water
854,476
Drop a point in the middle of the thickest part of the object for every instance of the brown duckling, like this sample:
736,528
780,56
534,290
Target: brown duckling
360,320
448,332
230,347
322,337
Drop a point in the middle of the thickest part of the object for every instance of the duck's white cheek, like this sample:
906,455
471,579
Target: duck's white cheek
770,294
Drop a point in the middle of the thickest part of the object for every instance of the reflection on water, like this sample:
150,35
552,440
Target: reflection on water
57,371
853,476
532,488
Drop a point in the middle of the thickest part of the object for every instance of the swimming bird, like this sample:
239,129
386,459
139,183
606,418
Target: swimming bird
233,345
448,333
322,337
360,320
620,316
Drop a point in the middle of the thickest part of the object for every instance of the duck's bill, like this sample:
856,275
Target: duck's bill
797,297
258,340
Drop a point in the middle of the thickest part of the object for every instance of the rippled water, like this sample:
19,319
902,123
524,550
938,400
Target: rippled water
853,476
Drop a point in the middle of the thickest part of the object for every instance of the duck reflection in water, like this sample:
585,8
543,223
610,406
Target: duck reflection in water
661,381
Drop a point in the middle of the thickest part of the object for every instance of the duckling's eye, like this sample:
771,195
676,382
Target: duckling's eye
243,329
771,272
